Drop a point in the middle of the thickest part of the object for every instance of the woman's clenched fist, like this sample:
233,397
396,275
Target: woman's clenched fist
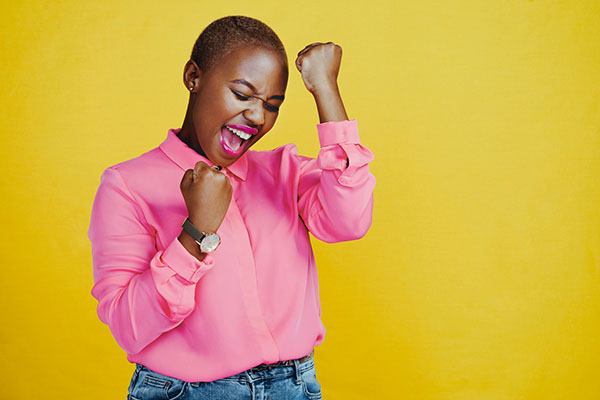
207,193
319,64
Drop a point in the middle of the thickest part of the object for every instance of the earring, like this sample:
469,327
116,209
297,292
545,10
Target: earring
191,88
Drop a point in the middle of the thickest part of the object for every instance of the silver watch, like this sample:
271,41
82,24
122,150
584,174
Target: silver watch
207,241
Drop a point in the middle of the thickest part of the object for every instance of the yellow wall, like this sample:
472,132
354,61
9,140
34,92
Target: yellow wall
479,278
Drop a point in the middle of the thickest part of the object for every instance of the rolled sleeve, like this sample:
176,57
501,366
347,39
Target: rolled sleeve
336,132
336,192
185,264
341,150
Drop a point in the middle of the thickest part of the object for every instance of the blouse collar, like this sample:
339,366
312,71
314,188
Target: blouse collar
186,157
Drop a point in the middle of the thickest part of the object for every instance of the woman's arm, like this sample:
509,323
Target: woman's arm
335,191
141,292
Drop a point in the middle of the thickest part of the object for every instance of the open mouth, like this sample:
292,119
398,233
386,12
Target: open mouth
234,138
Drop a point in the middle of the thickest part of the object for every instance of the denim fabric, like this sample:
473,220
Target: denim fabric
286,383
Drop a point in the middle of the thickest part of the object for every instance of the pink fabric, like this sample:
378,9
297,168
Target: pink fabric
253,300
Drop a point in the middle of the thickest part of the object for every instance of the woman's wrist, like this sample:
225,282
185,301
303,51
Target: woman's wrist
327,87
190,245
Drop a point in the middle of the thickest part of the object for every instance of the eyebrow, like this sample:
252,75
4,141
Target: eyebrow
251,86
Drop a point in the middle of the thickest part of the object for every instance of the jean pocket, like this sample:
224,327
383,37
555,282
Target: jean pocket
312,387
151,385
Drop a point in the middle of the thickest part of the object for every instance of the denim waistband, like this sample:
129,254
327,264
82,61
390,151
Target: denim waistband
260,372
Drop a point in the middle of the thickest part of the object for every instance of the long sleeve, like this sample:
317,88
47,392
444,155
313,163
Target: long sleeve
142,292
335,191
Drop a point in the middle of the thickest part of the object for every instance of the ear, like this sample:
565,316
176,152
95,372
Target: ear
191,76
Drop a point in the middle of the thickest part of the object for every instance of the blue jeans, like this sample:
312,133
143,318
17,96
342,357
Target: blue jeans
280,382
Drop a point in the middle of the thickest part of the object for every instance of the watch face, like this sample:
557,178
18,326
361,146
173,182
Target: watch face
210,243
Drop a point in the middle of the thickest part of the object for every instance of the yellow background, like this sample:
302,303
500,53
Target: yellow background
479,278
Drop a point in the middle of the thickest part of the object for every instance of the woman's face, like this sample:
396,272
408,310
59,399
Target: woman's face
237,102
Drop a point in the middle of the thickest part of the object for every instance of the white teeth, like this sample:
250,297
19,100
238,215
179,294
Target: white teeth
239,133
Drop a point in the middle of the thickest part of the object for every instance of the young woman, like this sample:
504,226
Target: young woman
203,268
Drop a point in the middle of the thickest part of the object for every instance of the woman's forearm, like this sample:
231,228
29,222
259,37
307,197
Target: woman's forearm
329,104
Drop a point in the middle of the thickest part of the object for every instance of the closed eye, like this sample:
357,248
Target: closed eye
268,107
239,95
271,107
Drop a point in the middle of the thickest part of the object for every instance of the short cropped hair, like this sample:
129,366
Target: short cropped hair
230,33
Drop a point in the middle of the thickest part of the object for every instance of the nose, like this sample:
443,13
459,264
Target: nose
255,113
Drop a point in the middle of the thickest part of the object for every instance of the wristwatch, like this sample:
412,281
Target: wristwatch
207,241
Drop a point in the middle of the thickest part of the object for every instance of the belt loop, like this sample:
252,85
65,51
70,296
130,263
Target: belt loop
248,376
297,371
251,384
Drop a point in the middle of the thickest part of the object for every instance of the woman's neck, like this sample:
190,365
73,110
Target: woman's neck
187,135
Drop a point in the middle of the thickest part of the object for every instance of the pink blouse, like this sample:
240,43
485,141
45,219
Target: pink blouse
253,300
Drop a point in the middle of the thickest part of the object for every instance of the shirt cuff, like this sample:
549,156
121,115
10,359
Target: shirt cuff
337,132
184,264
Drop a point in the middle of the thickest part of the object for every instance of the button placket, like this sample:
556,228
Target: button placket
249,282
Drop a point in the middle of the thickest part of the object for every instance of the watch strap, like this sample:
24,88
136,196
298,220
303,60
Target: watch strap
193,231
